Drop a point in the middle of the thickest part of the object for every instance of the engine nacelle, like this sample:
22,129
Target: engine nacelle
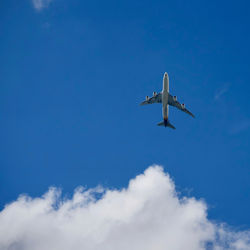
175,98
183,105
147,97
154,93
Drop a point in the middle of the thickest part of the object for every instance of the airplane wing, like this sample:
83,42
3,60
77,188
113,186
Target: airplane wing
154,99
173,102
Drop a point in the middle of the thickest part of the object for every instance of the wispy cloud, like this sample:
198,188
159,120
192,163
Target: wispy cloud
240,126
41,4
146,215
220,92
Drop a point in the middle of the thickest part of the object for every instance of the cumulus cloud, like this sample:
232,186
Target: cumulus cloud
41,4
146,215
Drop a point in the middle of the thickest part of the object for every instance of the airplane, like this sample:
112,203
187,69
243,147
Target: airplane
166,99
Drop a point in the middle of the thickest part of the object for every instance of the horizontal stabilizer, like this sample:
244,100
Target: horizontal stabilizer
166,124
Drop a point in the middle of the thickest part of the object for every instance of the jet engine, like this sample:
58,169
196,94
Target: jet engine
175,98
147,97
183,105
154,93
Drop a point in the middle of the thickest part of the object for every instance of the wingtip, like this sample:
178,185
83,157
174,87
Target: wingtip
190,113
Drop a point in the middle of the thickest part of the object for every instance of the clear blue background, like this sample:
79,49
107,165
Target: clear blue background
71,80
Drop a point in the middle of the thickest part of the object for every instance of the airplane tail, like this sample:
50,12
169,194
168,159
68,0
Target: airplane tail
166,123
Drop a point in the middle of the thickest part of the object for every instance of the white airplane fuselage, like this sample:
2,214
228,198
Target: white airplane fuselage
165,91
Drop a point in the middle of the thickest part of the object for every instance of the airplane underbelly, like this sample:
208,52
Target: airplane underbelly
165,105
165,92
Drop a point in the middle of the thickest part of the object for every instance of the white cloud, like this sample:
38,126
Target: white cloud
41,4
146,215
240,126
220,92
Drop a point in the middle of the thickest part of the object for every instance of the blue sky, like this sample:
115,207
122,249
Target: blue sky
73,75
